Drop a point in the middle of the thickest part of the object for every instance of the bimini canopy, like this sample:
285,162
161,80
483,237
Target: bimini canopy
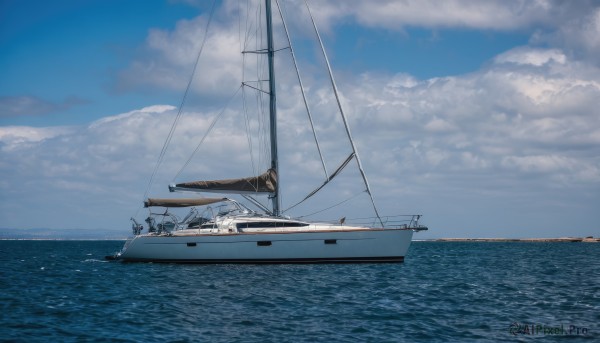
265,183
181,202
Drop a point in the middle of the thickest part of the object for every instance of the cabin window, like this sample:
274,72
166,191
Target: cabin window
331,241
263,243
255,225
191,244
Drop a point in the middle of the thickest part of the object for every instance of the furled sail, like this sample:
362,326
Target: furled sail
265,183
181,202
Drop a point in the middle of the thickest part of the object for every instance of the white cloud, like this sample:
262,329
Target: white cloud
104,165
580,36
496,15
438,125
170,57
13,137
536,163
128,115
535,57
532,109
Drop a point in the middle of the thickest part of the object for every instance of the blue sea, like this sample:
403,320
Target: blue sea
64,291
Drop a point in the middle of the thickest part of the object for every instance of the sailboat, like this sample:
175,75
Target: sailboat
225,230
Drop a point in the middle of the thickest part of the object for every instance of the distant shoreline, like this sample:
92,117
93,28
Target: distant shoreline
532,240
561,239
59,239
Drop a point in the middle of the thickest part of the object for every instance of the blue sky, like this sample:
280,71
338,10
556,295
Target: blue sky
483,118
68,53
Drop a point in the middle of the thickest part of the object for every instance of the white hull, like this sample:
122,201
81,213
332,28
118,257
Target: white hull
369,245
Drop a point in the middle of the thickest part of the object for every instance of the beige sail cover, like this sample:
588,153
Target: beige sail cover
265,183
181,202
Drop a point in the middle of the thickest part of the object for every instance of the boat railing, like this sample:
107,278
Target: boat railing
402,221
136,227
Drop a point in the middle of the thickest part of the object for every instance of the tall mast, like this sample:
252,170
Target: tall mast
272,106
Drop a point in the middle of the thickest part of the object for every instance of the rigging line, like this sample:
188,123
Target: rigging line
248,133
310,119
212,125
255,88
257,24
385,217
249,25
245,11
260,99
253,26
256,203
260,72
245,109
335,173
335,91
180,112
240,23
334,205
263,51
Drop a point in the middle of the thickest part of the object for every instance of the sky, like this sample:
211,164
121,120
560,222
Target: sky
481,116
